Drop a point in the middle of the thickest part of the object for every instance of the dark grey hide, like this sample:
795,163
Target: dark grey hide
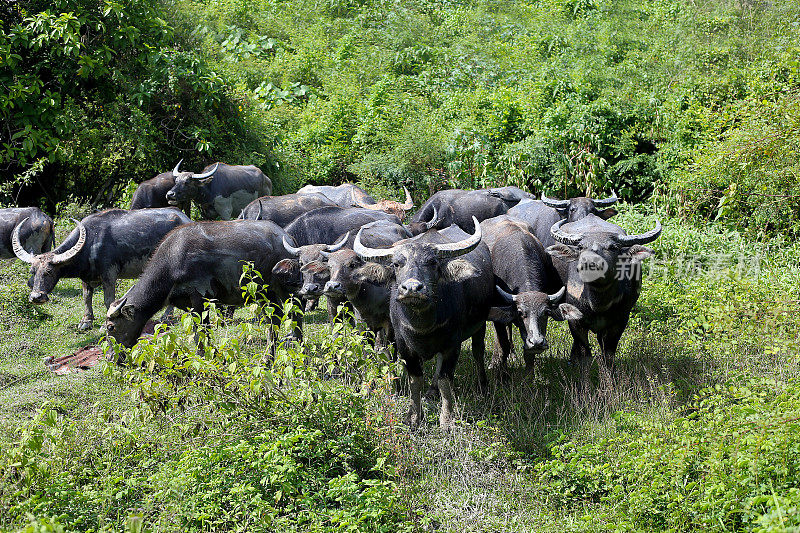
153,193
456,206
221,194
283,210
344,195
441,294
529,284
195,263
36,234
600,266
326,224
540,215
116,245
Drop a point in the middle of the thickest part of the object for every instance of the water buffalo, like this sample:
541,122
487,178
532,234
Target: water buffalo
326,224
282,210
153,193
349,195
390,206
369,298
221,191
456,206
196,262
36,233
542,214
600,264
103,248
523,267
441,294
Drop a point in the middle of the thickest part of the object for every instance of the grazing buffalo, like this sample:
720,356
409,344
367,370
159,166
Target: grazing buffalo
105,247
456,206
282,210
541,215
197,262
36,233
153,193
441,293
221,191
601,267
529,284
347,279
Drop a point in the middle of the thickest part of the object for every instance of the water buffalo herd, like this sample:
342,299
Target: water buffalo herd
465,258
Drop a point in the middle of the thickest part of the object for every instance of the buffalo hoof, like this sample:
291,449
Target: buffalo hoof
413,419
85,325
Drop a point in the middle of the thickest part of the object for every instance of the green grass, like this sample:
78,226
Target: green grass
510,456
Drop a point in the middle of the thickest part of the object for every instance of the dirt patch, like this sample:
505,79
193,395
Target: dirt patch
84,359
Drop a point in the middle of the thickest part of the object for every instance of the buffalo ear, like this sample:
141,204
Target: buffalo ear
566,312
564,252
639,253
504,315
373,272
458,270
605,214
287,271
205,181
315,267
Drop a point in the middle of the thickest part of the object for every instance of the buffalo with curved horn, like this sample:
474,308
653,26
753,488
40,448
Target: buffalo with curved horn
442,287
390,206
36,233
600,264
103,248
221,191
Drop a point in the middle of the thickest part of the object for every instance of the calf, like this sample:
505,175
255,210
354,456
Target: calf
521,264
105,247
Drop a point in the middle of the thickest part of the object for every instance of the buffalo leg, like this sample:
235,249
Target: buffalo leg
581,353
479,354
449,361
88,317
609,340
416,382
504,345
432,394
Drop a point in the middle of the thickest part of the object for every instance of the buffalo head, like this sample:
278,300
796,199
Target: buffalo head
187,184
603,255
418,267
46,267
534,308
580,207
309,269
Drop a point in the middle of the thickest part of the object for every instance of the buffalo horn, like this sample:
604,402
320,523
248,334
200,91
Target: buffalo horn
289,248
19,251
338,245
563,237
554,203
175,171
206,174
72,252
642,238
115,308
462,247
508,297
434,219
409,201
605,202
555,298
366,253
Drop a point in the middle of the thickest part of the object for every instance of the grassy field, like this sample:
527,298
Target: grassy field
515,461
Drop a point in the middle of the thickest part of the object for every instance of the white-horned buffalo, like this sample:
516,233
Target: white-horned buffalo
530,285
104,247
198,262
540,215
221,191
600,264
442,290
36,232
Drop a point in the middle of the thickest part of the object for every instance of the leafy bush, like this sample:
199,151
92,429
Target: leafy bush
730,463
